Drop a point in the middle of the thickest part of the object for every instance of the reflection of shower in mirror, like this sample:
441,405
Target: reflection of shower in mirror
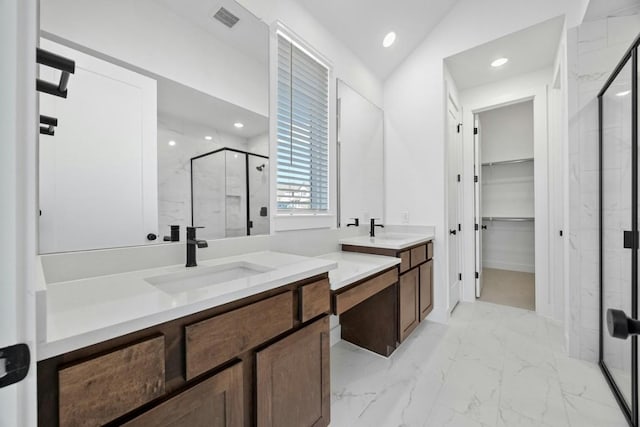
261,167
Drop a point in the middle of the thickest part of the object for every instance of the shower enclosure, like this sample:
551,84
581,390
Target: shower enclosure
230,194
618,134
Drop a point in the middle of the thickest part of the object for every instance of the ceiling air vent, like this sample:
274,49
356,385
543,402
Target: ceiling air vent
226,17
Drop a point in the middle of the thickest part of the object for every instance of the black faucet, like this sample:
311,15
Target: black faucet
192,242
175,234
355,223
372,231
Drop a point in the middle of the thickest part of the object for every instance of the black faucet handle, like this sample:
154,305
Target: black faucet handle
356,222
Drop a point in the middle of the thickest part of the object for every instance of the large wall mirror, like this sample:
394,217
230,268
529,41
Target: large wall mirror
165,123
360,157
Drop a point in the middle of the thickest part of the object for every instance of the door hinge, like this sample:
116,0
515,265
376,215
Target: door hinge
458,127
477,275
561,233
14,364
475,131
459,227
629,242
475,178
459,177
476,227
459,276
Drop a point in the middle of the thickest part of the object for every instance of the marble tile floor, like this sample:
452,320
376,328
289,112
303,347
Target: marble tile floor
492,366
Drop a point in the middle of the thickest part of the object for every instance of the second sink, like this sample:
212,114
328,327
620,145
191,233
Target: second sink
175,283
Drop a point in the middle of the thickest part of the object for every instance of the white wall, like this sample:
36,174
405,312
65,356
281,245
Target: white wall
414,109
346,65
507,132
146,34
594,50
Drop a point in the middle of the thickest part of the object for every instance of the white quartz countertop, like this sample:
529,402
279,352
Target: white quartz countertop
384,240
353,267
88,311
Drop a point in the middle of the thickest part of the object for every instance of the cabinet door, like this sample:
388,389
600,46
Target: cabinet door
293,379
426,289
408,302
216,402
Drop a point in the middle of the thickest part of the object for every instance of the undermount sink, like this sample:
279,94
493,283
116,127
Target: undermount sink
201,277
392,236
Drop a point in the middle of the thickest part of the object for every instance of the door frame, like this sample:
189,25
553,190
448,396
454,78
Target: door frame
545,299
18,189
458,147
631,414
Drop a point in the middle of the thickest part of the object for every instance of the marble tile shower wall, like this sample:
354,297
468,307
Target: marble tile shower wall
174,171
594,50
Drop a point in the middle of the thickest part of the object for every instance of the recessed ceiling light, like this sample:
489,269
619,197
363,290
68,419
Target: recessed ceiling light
389,39
623,93
208,138
499,62
172,143
239,125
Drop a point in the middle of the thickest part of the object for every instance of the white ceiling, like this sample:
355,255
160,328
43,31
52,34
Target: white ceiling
528,50
189,106
362,24
249,35
599,9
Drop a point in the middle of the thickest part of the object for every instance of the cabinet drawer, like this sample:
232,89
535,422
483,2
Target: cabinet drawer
405,261
214,341
216,402
418,255
354,296
97,391
315,299
429,250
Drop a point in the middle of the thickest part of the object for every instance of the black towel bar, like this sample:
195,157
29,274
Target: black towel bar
58,62
50,122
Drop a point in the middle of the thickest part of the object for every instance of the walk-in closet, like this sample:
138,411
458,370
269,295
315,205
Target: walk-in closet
505,203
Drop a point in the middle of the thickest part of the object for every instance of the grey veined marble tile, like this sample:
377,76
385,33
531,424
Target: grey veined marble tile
492,366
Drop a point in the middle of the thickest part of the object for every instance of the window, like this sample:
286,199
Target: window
303,131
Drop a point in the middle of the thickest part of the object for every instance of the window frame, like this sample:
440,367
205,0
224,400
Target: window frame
285,220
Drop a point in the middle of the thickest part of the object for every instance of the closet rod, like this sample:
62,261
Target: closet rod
508,218
509,162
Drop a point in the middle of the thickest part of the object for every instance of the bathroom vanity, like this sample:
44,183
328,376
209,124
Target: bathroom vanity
259,349
415,278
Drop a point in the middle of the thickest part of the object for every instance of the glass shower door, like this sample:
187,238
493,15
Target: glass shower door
618,234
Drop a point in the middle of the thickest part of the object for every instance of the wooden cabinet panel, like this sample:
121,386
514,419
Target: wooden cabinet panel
429,250
426,289
214,341
102,389
408,303
346,300
405,260
293,379
315,299
418,255
215,402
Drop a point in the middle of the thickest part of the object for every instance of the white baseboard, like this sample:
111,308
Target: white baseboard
335,335
439,315
525,268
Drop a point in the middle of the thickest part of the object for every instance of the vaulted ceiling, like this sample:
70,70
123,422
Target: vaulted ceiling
362,24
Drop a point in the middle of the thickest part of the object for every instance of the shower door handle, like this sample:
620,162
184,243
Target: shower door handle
620,325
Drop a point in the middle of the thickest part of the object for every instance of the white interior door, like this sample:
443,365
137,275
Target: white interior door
98,174
454,139
18,124
478,203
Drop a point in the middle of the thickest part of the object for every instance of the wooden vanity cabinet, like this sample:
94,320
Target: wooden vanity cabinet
260,360
408,301
415,287
214,402
293,377
426,289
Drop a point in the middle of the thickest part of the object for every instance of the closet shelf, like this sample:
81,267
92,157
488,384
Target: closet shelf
508,218
509,162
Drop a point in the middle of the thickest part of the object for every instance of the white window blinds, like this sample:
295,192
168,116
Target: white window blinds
303,138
